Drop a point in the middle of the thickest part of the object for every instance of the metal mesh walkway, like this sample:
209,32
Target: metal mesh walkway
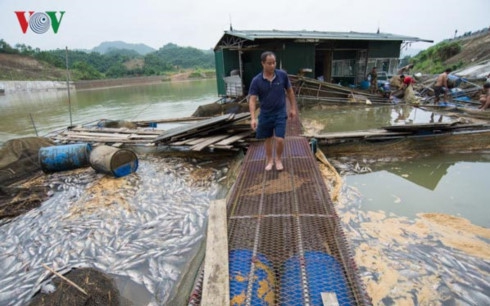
285,239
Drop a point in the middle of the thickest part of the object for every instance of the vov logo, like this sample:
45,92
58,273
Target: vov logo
39,22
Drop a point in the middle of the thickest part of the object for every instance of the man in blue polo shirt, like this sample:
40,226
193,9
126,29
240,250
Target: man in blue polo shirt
270,87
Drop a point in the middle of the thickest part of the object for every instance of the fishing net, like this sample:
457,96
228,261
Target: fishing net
19,161
99,289
410,97
19,158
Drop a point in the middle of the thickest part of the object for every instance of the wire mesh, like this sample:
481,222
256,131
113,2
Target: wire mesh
285,239
286,244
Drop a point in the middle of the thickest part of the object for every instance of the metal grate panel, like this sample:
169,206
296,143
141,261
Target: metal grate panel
285,238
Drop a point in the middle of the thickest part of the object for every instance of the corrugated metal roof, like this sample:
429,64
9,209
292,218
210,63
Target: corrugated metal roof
318,35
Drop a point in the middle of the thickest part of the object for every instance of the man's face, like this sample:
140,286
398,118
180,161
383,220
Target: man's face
270,64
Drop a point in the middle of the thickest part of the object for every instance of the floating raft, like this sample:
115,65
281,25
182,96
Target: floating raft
398,132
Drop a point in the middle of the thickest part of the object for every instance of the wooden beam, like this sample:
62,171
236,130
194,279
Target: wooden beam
216,286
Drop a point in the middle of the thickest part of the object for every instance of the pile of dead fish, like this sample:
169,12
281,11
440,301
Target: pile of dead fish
141,229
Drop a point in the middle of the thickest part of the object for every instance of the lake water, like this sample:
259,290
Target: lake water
50,110
420,228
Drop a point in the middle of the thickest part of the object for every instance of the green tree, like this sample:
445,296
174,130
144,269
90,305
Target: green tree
85,71
116,71
6,48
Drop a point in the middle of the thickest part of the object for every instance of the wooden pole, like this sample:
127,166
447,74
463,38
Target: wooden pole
68,84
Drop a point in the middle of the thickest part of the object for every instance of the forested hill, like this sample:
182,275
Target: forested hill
457,53
109,46
119,59
115,60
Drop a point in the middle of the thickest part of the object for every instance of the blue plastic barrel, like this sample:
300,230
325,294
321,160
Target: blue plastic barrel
365,85
114,161
263,287
323,274
64,157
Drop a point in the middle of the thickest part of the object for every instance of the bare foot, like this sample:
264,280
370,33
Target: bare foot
269,166
279,165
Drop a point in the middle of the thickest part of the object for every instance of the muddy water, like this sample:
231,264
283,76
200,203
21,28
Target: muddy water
412,238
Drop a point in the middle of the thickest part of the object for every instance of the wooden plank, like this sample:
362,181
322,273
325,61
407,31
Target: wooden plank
203,127
214,146
171,120
116,130
98,139
193,128
359,134
329,299
216,286
95,135
197,140
232,139
183,142
139,136
207,142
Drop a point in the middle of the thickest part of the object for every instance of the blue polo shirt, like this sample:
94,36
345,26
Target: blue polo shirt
272,95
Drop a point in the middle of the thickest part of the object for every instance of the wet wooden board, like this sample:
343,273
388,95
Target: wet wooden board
201,126
358,134
208,141
183,142
216,280
233,139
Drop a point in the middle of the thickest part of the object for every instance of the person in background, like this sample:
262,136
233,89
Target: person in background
408,80
405,69
374,81
270,87
396,82
485,97
441,85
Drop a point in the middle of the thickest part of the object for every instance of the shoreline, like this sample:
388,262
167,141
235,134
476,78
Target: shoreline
13,87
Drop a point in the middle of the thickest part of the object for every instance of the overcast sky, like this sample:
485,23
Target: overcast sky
201,23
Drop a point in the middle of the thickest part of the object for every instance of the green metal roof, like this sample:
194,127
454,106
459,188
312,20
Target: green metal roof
318,35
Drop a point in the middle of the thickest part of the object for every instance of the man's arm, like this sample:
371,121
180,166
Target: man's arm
252,102
292,102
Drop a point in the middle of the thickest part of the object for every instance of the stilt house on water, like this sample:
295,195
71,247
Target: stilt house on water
342,57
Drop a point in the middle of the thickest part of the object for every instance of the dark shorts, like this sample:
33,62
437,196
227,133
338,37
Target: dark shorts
438,90
271,125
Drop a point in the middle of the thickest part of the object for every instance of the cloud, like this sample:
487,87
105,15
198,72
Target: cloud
200,23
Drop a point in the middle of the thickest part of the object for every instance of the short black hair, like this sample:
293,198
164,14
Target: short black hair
448,70
265,54
486,85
